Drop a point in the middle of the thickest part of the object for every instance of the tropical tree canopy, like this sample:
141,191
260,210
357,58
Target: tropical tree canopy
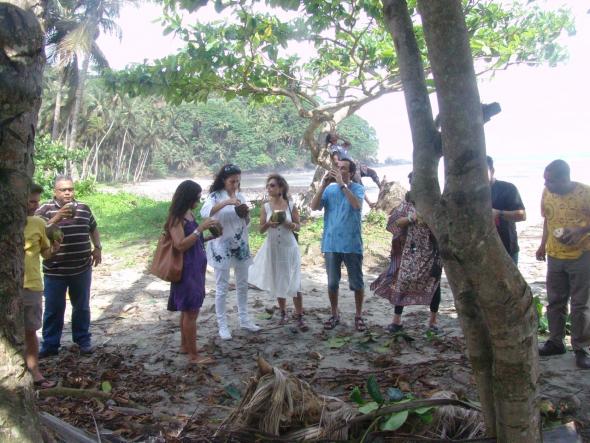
125,138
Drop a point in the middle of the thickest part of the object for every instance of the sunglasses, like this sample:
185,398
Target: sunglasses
231,170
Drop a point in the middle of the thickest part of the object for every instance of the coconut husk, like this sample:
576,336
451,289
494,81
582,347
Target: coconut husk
279,404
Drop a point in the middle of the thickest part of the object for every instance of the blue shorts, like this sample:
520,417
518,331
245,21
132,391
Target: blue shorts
354,266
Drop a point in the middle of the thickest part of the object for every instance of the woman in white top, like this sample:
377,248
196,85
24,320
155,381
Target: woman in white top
277,266
230,207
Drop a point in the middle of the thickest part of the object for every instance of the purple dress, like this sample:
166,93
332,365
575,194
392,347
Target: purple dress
188,294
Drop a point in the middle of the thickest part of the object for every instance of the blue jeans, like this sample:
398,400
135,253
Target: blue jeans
78,287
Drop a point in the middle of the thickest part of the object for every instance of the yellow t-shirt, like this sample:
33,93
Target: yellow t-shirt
35,241
565,211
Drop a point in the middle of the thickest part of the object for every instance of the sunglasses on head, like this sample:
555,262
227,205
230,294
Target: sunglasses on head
231,170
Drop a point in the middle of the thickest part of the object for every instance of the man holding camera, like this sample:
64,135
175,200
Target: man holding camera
69,270
342,202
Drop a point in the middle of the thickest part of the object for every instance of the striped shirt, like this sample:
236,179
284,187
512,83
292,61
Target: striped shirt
74,256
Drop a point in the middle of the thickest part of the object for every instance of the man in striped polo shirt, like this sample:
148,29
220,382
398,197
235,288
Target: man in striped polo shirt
70,269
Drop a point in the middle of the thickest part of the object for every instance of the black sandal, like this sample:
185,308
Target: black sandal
331,323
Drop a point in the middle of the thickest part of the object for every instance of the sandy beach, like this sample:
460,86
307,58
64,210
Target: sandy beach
138,356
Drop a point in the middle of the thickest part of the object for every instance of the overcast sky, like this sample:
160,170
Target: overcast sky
544,110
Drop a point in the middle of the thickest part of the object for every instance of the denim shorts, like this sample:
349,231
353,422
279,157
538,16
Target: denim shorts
354,266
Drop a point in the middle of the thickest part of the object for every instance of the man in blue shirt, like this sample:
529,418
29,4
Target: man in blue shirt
342,202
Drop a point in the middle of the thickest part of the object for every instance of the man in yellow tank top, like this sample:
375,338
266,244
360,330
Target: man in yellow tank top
565,206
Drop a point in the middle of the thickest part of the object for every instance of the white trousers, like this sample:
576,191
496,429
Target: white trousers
221,289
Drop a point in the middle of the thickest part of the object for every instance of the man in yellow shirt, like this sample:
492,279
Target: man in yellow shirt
565,207
36,244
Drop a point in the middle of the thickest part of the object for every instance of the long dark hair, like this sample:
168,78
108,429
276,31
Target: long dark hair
281,182
225,172
185,196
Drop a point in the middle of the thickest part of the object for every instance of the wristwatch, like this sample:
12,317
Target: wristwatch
97,246
342,187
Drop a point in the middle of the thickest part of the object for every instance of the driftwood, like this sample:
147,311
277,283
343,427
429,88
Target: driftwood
69,433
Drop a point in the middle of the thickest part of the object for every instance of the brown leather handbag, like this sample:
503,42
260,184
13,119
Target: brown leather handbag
167,261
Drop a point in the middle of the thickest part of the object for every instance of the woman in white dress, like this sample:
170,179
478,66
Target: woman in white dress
277,266
230,250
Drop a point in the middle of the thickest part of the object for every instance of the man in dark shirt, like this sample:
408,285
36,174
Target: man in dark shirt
69,270
507,209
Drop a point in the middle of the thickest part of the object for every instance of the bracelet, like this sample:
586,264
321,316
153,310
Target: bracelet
196,232
501,214
99,247
342,187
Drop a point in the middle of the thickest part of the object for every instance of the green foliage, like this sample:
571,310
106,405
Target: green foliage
350,57
395,420
120,129
543,322
374,390
50,160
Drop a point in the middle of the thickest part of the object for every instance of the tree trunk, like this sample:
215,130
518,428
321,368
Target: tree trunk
22,60
492,299
79,97
57,109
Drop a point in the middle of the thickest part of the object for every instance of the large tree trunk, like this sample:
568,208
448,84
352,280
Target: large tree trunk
493,300
22,60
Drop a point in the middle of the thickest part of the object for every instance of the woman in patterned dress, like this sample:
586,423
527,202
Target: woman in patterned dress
413,276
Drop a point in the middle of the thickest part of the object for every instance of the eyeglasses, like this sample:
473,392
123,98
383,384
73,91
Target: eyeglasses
232,169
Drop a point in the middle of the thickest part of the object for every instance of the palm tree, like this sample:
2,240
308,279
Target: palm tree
72,47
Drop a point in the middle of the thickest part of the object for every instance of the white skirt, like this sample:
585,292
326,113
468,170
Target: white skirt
277,266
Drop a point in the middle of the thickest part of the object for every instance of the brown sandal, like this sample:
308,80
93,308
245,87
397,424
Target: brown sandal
359,324
284,320
331,323
301,323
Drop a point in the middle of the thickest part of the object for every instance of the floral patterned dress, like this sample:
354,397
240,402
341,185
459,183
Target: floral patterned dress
414,270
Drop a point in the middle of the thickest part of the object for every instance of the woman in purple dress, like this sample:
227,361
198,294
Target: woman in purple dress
187,295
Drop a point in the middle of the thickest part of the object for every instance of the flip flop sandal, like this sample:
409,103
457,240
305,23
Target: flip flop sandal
359,324
44,384
331,323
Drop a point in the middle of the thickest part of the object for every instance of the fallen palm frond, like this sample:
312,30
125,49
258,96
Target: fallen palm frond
277,403
456,422
280,407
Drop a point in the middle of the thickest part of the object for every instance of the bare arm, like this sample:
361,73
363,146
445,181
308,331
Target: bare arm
354,202
317,198
264,225
182,242
219,206
541,251
97,251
